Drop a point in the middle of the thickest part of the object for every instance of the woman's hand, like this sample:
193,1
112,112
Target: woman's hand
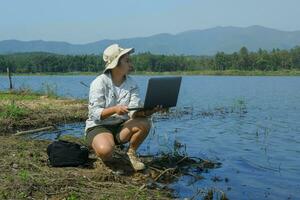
121,109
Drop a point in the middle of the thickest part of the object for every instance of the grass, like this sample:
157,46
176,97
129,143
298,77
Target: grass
26,93
12,111
18,95
25,174
23,110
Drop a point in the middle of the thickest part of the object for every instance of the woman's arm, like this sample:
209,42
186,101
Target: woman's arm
119,109
135,100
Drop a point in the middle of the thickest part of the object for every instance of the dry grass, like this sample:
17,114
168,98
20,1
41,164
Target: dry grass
25,174
22,112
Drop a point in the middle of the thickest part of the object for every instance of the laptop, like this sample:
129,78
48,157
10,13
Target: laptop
161,91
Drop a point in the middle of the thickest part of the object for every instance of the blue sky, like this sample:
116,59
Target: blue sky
78,21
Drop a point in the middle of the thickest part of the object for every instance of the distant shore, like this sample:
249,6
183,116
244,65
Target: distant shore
187,73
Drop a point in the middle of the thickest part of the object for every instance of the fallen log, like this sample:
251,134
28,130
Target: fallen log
34,130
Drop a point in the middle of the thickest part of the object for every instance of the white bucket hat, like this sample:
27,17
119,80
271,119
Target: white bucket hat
112,54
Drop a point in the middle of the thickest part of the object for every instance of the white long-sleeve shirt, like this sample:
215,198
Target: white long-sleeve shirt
103,94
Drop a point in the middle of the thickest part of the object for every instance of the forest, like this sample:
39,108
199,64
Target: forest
244,60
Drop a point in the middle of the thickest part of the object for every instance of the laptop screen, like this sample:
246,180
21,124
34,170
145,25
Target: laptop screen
162,91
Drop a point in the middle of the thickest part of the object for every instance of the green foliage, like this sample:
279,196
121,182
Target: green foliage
12,111
24,175
18,95
242,60
24,93
72,196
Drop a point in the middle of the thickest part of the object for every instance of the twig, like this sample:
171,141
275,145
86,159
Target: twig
34,130
55,193
185,157
154,168
159,170
197,194
169,169
156,178
142,187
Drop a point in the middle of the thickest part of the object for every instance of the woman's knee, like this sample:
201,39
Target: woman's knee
103,146
103,151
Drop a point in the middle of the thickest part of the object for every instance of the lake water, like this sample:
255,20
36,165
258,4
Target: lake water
251,125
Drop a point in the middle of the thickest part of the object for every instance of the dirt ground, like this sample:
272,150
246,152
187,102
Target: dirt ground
25,171
25,174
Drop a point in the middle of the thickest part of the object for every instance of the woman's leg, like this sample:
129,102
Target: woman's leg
103,145
135,130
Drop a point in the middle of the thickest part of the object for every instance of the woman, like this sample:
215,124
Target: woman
109,122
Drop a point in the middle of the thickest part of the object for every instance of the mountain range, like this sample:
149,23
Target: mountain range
194,42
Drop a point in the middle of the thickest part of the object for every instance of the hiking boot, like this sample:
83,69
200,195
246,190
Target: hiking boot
135,161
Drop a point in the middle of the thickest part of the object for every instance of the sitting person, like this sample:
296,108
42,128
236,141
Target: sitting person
109,121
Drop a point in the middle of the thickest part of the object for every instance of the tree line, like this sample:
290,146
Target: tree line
242,60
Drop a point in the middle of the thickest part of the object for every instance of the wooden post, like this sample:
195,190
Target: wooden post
9,77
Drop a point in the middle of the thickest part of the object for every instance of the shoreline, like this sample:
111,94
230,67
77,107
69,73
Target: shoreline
186,73
25,172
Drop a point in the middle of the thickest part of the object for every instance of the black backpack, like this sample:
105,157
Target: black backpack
67,154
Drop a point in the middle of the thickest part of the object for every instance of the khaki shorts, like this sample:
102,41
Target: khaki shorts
113,129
